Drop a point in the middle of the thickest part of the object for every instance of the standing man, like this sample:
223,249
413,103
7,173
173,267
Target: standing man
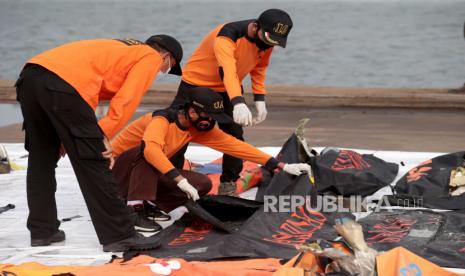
58,91
225,56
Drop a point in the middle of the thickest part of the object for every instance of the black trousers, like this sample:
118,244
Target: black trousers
54,114
232,166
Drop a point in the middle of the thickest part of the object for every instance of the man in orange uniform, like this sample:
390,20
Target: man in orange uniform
145,173
58,91
223,59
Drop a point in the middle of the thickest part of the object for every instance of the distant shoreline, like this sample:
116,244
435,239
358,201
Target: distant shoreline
305,96
428,120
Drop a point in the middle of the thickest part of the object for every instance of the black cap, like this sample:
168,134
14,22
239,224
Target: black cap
275,25
209,102
171,45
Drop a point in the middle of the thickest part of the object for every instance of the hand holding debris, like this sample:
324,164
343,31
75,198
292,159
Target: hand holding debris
297,169
190,191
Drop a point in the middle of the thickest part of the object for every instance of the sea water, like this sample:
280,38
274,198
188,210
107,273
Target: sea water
347,43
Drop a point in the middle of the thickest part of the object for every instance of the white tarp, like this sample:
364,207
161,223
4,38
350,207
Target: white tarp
81,246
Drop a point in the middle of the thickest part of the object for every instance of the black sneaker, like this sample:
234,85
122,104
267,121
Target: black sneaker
135,242
227,188
142,223
155,213
57,237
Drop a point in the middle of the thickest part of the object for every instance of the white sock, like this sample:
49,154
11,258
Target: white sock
135,202
150,202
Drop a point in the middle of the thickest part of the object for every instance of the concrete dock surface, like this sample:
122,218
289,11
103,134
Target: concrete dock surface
431,120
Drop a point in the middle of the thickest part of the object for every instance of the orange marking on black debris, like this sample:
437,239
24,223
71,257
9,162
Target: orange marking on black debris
197,232
349,160
419,171
393,230
299,228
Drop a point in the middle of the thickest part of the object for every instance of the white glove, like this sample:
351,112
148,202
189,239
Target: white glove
242,114
297,169
261,112
191,192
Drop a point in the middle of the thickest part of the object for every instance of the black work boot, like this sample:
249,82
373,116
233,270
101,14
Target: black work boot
227,188
155,213
57,237
142,223
135,242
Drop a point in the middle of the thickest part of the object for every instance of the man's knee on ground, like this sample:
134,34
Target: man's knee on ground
203,184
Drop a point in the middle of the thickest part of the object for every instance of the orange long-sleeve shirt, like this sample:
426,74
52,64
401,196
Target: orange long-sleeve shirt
163,138
224,58
106,69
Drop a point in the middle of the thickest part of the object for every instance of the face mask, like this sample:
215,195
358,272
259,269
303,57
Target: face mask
204,123
169,66
260,44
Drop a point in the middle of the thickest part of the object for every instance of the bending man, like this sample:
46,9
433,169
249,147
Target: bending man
223,59
58,91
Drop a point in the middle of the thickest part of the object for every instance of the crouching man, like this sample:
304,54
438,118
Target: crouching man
146,177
